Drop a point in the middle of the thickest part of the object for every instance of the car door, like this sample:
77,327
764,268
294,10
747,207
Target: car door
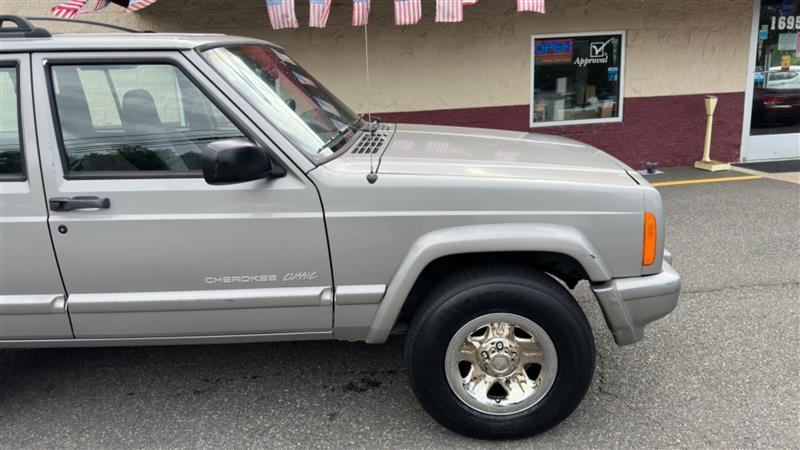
146,247
32,301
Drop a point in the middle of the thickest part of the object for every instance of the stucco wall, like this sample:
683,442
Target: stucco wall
675,47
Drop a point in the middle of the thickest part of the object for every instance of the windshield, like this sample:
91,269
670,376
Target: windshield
307,114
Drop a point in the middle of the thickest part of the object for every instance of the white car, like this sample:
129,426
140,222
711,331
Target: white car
783,79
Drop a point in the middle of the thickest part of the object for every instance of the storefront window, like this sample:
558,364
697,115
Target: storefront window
776,84
577,78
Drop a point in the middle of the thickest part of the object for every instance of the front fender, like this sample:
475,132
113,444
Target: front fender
520,237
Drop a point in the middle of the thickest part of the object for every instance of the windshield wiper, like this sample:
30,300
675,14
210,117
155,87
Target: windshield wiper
339,134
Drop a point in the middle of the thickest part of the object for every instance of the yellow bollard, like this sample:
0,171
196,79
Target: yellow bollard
707,163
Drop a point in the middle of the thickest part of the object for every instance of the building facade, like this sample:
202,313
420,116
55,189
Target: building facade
628,76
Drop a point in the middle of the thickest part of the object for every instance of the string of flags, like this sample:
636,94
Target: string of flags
71,8
406,12
281,13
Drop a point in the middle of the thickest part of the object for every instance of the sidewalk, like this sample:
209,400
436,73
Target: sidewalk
689,175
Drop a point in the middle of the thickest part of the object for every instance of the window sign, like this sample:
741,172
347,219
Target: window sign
577,78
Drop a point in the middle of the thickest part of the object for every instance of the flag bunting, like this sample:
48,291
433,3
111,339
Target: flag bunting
136,5
449,10
68,9
318,13
281,14
101,4
407,12
360,12
530,5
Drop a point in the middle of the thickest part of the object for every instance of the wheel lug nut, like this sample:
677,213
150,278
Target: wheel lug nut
499,345
513,356
484,355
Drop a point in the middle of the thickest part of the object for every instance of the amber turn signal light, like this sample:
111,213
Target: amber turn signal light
649,244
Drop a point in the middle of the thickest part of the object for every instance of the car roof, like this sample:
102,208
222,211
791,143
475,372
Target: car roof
119,41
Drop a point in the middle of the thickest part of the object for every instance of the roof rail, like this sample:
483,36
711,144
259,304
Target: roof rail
24,28
85,22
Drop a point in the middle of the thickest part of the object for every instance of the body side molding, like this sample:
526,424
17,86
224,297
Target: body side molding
32,304
199,300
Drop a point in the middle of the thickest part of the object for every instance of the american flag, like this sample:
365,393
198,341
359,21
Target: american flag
135,5
97,6
319,10
530,5
281,14
407,12
449,11
67,10
360,12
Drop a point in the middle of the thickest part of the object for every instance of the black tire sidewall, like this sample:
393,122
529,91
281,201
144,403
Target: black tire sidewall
562,319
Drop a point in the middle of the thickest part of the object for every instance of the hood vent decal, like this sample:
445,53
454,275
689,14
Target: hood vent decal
373,143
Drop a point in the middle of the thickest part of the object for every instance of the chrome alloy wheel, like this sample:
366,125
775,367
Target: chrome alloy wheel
501,363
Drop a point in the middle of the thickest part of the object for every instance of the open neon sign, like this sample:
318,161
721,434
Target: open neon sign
554,51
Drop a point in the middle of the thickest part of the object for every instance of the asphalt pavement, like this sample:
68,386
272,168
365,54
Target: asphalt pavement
721,371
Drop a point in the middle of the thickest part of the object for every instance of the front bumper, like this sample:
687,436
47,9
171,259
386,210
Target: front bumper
631,303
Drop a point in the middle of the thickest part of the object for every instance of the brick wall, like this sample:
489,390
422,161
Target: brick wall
667,129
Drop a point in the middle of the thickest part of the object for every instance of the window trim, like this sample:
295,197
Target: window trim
622,68
201,52
126,175
23,175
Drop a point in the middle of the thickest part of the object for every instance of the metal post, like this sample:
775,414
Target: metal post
707,163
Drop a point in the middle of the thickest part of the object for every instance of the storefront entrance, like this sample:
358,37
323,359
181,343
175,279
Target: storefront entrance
772,109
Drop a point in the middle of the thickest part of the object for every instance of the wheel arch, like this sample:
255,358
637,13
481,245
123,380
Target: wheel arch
562,245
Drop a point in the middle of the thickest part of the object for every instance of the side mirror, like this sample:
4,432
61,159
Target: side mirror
237,160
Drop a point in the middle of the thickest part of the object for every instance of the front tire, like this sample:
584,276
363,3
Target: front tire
500,353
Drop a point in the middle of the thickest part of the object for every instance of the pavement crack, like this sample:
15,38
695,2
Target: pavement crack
747,286
602,388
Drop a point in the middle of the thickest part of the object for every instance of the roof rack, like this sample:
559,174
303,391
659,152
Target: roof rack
85,22
24,28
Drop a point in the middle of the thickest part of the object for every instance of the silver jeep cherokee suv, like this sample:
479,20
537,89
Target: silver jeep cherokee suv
187,189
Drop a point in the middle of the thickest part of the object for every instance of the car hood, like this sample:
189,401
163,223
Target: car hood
421,150
438,150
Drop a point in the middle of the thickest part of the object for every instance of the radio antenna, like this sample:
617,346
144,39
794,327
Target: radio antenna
369,87
372,177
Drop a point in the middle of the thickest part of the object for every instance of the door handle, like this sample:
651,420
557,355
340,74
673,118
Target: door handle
69,204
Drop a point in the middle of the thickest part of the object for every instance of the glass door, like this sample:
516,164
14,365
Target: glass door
774,92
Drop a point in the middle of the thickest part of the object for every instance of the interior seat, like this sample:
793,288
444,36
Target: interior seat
144,130
85,147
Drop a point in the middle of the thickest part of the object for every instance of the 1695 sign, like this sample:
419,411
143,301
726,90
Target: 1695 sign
785,23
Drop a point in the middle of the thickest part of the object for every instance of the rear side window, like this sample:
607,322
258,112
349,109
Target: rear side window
11,166
137,119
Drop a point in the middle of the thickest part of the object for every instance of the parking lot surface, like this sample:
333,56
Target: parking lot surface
720,371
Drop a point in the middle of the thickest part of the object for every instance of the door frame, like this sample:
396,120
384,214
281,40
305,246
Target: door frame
32,298
90,311
747,152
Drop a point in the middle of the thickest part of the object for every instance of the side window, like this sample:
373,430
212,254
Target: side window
11,166
134,118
